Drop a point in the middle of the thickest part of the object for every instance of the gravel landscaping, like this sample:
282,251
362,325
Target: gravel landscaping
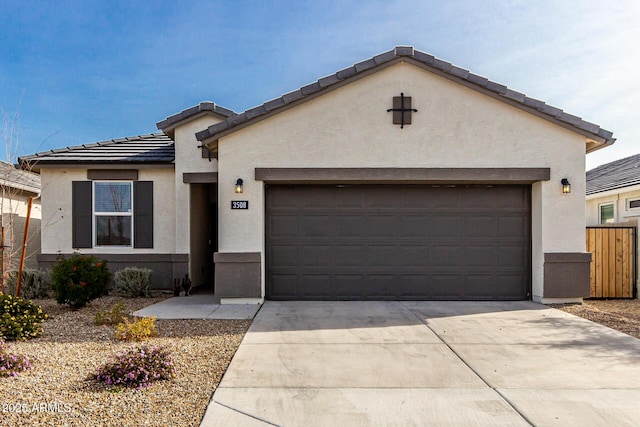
621,315
57,390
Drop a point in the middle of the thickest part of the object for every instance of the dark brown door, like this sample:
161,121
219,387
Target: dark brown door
398,242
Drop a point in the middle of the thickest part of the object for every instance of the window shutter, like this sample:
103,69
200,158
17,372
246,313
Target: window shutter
81,213
143,214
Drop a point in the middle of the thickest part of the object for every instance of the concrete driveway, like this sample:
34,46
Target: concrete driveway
428,363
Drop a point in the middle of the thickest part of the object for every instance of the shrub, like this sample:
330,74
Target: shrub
11,364
137,367
79,279
113,316
20,318
138,330
133,282
34,284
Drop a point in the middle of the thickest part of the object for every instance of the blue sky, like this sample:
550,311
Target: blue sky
78,72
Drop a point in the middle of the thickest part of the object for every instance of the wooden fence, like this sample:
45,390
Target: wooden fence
613,261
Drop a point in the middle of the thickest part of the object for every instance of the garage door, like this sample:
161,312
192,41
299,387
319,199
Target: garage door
398,242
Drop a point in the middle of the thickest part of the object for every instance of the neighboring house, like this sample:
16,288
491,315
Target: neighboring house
401,177
613,192
613,199
17,187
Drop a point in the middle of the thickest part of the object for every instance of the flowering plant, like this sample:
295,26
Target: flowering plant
20,318
11,364
79,279
138,367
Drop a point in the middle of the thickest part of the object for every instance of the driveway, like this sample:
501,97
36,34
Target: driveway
427,363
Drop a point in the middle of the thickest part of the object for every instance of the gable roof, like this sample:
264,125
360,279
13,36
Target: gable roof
169,124
617,174
155,148
407,53
19,179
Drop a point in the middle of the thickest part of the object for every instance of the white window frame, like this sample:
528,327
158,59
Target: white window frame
600,205
95,214
628,203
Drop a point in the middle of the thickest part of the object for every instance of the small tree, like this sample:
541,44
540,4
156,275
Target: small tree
16,186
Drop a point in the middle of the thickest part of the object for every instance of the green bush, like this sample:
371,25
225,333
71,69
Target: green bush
20,318
79,279
133,282
35,283
137,367
113,316
12,364
138,330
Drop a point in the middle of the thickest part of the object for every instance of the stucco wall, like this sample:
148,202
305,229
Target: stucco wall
619,198
14,215
188,159
57,220
454,127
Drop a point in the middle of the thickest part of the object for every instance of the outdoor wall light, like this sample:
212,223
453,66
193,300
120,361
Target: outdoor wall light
566,187
239,185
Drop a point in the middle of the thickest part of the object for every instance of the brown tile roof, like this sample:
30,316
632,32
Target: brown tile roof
614,175
155,148
407,53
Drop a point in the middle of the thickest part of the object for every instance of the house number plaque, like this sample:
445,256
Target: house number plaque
239,204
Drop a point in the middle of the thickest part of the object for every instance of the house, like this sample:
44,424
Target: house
17,187
400,177
613,192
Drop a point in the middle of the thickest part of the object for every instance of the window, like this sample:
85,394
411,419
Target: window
633,204
112,210
113,213
607,213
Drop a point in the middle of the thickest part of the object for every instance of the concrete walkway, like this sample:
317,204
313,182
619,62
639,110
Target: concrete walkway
198,306
427,363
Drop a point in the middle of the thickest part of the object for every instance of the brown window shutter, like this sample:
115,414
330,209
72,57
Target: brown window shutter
143,214
81,213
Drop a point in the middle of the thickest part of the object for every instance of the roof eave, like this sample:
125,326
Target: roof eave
168,125
601,137
37,166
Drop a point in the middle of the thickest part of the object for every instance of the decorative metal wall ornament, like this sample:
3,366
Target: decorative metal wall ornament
402,110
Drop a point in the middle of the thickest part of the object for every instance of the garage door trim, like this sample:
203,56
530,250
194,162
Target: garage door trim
402,175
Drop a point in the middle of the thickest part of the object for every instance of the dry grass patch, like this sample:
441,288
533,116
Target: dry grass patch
73,347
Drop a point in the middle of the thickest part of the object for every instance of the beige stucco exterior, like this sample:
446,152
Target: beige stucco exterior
57,219
619,198
188,160
346,127
454,127
14,213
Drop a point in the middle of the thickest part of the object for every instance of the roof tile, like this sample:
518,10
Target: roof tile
310,88
365,65
329,80
404,51
192,111
425,58
292,96
429,61
151,148
268,106
347,72
384,57
614,175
